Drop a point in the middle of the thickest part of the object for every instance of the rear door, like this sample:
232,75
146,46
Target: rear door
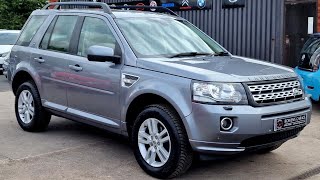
50,61
24,45
94,87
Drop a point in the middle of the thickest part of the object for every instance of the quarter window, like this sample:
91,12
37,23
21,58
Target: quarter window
95,32
45,40
30,30
62,33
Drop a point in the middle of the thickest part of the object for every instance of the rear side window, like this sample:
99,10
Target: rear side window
58,38
30,30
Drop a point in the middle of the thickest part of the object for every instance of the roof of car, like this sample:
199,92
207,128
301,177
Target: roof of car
137,14
115,12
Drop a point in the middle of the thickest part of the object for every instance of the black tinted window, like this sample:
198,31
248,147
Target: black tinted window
30,30
95,32
307,54
62,33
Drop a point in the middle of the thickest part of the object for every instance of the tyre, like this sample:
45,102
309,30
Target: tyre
160,142
268,149
30,114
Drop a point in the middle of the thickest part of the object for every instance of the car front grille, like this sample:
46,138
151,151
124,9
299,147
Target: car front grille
269,93
270,138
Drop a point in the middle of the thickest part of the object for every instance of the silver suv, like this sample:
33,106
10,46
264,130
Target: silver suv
155,78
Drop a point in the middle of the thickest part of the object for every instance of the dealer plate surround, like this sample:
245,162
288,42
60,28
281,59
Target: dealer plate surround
286,123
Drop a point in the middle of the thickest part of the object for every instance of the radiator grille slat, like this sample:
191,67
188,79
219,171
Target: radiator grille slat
276,92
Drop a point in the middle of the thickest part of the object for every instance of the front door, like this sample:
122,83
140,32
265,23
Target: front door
94,87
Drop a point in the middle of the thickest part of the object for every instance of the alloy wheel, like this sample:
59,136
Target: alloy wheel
154,142
26,106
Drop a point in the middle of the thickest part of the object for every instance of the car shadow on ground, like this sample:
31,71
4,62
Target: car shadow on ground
4,85
219,167
69,127
316,107
203,169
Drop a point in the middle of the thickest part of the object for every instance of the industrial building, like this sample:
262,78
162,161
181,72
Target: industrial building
270,30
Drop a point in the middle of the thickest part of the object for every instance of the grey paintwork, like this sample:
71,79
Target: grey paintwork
100,51
217,69
92,92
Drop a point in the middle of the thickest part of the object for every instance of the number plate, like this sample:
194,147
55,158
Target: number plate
289,122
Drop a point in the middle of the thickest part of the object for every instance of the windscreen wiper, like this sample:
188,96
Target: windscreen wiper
190,54
222,53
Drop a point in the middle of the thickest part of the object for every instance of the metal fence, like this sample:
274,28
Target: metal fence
256,31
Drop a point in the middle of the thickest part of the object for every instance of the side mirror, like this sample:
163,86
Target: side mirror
102,54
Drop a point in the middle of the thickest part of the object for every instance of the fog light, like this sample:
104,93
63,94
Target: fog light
226,124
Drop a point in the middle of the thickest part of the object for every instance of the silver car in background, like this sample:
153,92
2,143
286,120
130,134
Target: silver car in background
7,39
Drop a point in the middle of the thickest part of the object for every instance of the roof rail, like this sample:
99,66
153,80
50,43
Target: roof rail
57,5
150,8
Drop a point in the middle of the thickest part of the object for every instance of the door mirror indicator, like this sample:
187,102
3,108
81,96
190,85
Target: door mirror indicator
102,54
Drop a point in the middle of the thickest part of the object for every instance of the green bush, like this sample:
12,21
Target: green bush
14,13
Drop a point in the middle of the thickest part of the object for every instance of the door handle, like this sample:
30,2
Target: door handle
39,60
76,67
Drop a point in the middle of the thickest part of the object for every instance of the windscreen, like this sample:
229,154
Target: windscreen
8,38
165,37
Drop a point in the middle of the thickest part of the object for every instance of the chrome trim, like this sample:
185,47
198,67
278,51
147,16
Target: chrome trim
276,92
272,77
93,117
124,80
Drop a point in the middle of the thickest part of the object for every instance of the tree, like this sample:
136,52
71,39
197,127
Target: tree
14,13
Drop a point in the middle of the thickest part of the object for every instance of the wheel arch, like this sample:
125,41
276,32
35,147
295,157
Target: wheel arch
19,78
139,102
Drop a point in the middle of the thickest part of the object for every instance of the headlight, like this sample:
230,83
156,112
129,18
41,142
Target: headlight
4,54
219,93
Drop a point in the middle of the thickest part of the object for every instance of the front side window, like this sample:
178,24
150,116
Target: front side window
30,30
8,38
95,32
62,33
165,37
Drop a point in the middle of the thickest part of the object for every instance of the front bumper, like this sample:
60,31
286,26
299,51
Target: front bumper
253,126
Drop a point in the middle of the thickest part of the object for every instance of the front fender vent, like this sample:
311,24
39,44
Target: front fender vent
129,80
